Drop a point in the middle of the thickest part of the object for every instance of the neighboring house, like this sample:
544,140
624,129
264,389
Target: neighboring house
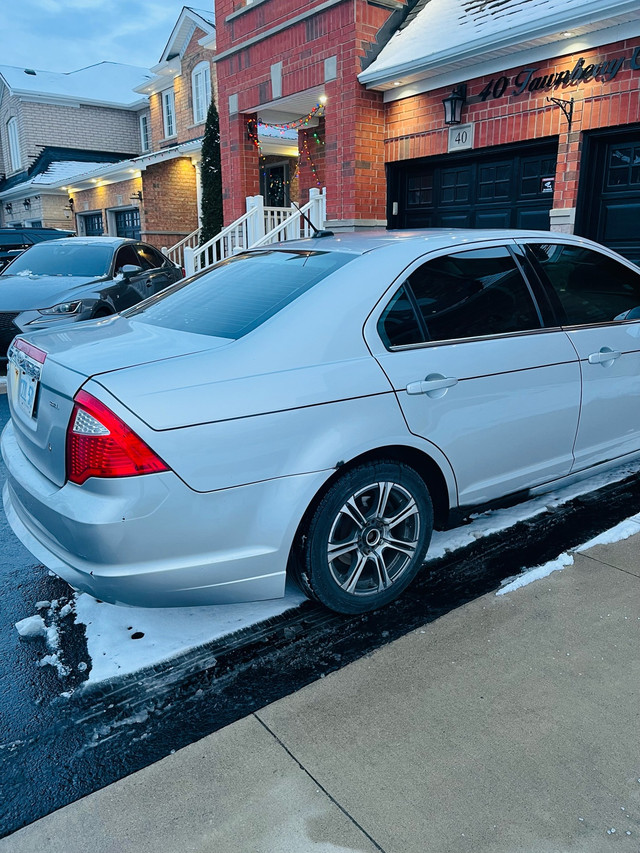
53,126
549,134
156,195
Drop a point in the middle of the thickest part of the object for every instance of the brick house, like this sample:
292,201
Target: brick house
386,66
53,125
156,195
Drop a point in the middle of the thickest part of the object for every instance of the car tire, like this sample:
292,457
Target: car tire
367,538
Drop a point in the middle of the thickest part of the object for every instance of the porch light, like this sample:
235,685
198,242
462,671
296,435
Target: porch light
26,203
8,207
454,103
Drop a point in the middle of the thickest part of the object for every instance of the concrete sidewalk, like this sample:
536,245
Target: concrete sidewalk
511,725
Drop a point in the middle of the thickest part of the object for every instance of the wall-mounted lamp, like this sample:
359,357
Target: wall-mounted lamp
68,208
566,107
27,203
8,207
137,196
70,203
454,103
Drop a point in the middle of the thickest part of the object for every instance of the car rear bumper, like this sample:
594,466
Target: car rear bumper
177,548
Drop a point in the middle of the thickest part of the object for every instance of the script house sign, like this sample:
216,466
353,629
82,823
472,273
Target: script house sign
531,80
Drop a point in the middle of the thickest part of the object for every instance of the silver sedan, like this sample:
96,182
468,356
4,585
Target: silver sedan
315,408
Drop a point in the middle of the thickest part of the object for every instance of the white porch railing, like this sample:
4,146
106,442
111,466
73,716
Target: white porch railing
259,226
176,253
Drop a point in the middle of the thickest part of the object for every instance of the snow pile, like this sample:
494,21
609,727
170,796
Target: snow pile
628,527
35,627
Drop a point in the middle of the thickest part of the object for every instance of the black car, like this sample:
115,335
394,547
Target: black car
78,278
13,241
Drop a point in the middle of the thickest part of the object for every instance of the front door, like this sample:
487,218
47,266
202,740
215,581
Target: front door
274,184
594,295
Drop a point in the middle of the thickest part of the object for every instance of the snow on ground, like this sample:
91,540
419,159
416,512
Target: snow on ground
628,527
123,640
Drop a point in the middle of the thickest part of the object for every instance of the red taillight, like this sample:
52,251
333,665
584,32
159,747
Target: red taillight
99,444
184,272
35,353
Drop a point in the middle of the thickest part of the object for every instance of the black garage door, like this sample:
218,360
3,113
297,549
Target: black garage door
507,188
128,223
610,191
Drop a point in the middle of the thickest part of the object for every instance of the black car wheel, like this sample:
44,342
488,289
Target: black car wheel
367,538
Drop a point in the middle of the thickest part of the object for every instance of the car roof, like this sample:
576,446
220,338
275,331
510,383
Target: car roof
93,241
360,242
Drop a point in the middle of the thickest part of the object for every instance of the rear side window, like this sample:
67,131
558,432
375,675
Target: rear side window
590,287
239,294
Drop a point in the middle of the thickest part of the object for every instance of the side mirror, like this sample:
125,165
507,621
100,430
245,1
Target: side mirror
129,270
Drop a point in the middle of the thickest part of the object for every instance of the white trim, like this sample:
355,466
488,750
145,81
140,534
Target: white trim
201,91
567,47
13,135
145,132
169,113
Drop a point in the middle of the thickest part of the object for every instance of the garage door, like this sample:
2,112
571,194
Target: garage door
508,188
128,224
610,204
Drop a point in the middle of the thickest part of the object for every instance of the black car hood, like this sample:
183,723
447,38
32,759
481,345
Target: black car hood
25,292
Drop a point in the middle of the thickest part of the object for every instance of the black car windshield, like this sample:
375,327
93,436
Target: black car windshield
62,259
239,294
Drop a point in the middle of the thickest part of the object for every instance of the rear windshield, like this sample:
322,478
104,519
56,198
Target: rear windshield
239,294
62,259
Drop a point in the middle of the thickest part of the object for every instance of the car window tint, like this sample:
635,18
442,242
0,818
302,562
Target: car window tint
149,258
590,286
66,258
398,324
472,294
126,255
239,293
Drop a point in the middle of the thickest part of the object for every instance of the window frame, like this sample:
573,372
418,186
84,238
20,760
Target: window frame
168,97
13,136
145,132
201,71
402,281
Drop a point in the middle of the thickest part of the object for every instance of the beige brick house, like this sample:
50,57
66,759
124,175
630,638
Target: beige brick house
54,125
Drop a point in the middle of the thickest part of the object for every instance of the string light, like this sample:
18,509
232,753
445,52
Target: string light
296,124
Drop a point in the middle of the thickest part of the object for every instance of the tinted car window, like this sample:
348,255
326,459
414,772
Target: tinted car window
472,294
240,293
126,255
149,258
62,259
398,325
590,287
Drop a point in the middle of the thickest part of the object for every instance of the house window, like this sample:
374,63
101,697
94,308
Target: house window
14,144
169,112
201,88
145,139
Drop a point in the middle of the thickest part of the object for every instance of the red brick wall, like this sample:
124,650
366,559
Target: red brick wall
170,208
353,167
107,197
415,126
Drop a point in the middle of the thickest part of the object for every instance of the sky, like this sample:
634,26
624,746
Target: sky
65,35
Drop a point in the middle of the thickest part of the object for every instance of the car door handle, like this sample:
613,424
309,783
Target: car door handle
434,385
604,356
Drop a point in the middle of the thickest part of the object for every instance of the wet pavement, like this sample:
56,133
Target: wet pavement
57,748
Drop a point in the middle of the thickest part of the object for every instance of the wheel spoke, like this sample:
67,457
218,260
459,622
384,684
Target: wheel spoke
383,576
338,549
350,584
410,509
408,548
351,509
384,491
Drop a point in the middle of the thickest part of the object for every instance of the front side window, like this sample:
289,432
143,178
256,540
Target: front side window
169,113
145,138
589,287
201,91
240,293
14,144
149,258
473,294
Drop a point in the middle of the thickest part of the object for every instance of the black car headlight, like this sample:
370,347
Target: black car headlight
62,308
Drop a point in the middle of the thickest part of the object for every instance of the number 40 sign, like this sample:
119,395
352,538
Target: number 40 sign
460,137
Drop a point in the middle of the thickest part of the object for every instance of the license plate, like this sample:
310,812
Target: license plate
25,382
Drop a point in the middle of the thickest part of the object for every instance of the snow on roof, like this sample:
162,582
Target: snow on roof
62,170
446,31
106,82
